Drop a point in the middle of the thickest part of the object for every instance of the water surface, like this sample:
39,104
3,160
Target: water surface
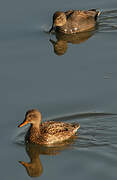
79,85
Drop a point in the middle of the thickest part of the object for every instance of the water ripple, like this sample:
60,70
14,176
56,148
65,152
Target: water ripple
108,21
96,129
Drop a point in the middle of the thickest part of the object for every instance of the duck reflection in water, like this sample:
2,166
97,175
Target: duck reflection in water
60,46
34,168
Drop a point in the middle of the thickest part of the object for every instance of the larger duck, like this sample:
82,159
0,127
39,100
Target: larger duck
74,21
49,132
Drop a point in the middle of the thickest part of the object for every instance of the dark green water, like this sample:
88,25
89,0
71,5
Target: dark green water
78,84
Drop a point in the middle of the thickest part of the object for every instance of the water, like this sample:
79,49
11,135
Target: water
79,85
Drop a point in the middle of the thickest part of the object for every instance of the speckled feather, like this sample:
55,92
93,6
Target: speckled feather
51,132
48,132
78,21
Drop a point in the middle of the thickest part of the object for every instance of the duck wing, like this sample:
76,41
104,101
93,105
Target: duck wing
82,20
93,13
69,13
54,128
80,15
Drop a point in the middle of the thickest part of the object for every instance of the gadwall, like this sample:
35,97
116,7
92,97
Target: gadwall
74,21
49,132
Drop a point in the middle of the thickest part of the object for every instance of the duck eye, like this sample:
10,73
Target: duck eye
29,116
34,116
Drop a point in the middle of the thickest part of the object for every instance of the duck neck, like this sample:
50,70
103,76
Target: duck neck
35,129
34,133
36,126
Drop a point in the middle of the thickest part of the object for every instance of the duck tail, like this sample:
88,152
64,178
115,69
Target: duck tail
99,12
76,125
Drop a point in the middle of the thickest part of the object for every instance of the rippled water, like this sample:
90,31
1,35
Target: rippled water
93,151
78,85
108,21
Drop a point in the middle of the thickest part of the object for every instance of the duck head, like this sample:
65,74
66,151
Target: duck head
59,19
33,117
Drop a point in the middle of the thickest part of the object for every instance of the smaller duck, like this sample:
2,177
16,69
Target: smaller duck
74,21
49,132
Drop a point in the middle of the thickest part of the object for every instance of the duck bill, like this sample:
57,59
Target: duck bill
25,164
23,123
52,28
53,42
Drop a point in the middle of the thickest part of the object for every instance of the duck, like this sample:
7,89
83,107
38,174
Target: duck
48,132
74,21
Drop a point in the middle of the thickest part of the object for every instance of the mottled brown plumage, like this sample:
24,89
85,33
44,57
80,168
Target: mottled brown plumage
74,21
49,132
